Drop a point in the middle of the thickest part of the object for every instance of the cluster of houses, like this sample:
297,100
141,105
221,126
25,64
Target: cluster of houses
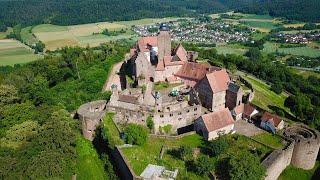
206,98
194,30
299,38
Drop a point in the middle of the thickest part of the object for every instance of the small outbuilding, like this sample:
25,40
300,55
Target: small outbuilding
249,111
211,125
271,122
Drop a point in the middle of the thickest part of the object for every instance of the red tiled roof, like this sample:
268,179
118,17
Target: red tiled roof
239,109
218,80
272,118
248,109
181,53
194,70
144,41
160,66
217,120
168,61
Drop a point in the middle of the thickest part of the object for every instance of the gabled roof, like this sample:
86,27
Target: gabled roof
169,62
181,53
144,41
195,71
218,80
248,109
274,119
217,120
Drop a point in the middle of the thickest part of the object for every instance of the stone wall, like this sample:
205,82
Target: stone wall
307,143
90,115
277,161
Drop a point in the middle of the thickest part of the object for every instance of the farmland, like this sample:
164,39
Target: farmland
299,51
13,52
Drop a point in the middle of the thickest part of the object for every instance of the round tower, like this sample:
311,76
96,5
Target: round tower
306,146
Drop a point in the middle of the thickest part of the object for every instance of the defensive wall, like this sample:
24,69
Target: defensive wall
91,115
301,151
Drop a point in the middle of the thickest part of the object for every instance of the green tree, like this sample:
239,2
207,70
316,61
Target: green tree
254,54
185,153
136,134
218,146
277,87
38,90
245,166
8,94
150,123
202,165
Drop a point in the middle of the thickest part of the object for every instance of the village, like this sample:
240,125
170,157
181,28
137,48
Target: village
200,31
299,37
183,96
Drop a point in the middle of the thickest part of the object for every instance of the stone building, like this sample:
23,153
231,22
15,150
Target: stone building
234,95
212,90
271,122
211,125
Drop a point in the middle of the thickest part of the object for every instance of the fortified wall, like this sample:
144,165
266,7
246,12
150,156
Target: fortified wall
91,115
301,152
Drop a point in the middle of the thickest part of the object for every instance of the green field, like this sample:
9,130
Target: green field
263,96
231,49
269,139
299,51
293,173
305,74
89,166
27,36
13,52
263,26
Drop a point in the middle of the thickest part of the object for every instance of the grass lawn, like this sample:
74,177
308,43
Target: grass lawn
89,166
263,26
263,96
111,130
149,153
269,139
13,52
293,173
299,51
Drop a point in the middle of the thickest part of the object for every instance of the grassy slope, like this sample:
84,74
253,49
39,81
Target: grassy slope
89,166
264,96
293,173
305,74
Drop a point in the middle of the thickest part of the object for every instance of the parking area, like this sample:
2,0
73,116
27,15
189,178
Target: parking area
247,129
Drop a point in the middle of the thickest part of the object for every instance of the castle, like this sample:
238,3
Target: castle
199,88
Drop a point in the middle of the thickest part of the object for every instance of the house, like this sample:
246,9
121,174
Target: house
249,112
271,122
212,90
211,125
237,112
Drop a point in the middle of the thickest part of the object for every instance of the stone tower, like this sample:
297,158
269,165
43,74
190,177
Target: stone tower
164,42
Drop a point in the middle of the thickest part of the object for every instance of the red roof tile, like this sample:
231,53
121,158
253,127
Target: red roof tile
218,80
168,61
144,41
194,70
217,120
271,118
181,53
248,109
160,66
239,109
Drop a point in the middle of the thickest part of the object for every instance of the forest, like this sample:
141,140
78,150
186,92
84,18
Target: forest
38,138
67,12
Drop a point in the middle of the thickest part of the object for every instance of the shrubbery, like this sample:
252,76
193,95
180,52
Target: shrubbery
136,134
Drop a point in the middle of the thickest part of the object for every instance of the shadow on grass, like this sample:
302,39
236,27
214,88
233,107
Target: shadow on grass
283,113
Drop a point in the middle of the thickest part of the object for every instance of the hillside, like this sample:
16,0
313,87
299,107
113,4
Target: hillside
67,12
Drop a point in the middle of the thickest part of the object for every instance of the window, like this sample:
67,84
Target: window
195,109
161,115
179,113
171,115
188,110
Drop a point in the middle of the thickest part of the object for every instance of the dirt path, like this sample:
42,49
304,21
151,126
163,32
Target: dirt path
113,78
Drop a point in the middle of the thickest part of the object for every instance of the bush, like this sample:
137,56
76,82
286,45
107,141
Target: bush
201,166
167,128
185,152
136,134
277,87
150,123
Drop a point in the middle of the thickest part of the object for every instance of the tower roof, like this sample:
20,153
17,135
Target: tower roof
164,27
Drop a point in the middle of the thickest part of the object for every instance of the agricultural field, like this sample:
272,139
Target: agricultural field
54,36
231,49
14,52
264,97
304,73
299,51
4,34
